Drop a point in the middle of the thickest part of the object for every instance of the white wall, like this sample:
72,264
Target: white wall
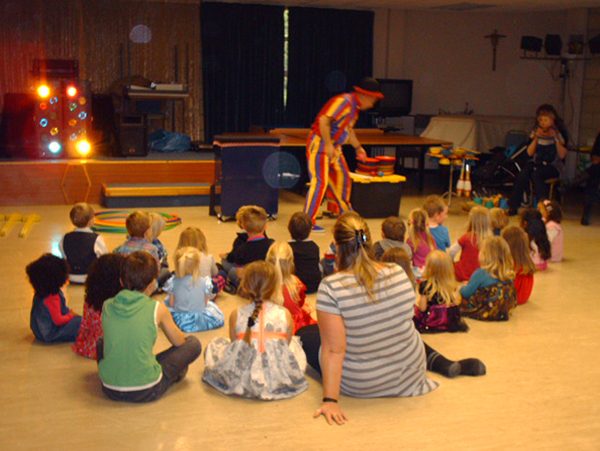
450,61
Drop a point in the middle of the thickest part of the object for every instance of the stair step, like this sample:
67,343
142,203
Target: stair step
119,195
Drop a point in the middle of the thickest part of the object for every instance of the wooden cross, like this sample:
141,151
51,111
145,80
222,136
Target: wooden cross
495,40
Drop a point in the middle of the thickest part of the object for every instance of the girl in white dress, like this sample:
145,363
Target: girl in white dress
260,359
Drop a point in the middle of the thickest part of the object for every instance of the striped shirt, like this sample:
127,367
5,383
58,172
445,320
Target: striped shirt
343,110
384,353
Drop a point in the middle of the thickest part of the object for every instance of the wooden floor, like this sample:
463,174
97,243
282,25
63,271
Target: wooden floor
542,390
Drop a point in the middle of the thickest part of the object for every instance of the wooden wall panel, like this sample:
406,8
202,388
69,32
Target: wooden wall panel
39,182
97,34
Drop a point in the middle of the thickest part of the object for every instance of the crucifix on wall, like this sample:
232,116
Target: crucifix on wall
495,40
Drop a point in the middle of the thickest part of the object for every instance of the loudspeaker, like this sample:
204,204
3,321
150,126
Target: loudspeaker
595,44
17,129
531,43
132,136
553,44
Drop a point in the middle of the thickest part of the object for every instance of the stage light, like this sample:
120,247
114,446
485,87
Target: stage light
53,100
82,115
82,100
43,91
72,122
71,91
54,147
54,131
43,106
83,147
72,106
43,122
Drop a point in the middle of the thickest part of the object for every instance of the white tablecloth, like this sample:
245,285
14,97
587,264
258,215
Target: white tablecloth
480,133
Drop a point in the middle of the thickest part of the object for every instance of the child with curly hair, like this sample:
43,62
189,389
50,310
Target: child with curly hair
51,321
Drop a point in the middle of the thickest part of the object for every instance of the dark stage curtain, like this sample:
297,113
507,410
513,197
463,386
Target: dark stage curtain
242,59
329,51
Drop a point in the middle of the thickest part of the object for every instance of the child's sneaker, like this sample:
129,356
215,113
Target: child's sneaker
318,229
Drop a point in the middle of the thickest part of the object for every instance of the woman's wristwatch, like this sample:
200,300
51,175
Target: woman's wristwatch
330,400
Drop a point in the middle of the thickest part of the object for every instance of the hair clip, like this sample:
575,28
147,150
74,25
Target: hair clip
360,236
251,322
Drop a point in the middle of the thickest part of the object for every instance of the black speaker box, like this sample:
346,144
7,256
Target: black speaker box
133,140
17,130
553,44
531,43
595,44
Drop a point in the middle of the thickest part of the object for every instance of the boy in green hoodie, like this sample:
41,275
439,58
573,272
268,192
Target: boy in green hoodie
129,371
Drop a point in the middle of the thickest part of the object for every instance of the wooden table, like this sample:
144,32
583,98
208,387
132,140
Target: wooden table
368,137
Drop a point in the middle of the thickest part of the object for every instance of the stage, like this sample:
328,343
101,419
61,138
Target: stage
66,181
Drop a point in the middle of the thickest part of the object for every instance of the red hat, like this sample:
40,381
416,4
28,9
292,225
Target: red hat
369,87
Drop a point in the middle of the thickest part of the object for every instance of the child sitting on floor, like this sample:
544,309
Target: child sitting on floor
194,237
189,294
306,252
138,228
518,243
51,321
401,258
541,250
393,233
249,246
437,308
490,294
281,256
552,215
128,369
157,225
437,212
103,282
419,240
82,246
498,220
260,359
478,229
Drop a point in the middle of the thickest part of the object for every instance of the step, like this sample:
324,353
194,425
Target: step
125,195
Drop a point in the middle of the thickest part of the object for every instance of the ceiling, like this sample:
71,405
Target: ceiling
437,5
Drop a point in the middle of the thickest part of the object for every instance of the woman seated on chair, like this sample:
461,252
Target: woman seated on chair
548,150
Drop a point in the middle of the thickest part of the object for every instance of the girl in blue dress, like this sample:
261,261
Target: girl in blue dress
189,294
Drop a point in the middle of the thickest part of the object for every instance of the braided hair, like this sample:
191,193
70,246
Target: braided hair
259,283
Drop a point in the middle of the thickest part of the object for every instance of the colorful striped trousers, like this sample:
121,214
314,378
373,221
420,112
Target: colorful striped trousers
327,176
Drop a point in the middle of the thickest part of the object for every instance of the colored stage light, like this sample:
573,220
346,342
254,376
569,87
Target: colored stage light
54,131
82,115
83,147
43,91
71,91
43,122
82,100
53,100
72,106
54,147
43,106
72,122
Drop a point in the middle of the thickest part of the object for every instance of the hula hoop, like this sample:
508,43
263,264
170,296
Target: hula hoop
113,221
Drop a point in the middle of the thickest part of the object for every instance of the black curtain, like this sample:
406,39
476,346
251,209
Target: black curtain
242,59
329,51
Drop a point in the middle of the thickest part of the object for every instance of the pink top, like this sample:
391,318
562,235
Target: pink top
540,263
469,257
422,250
555,235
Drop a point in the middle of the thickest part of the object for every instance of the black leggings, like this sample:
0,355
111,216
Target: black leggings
311,343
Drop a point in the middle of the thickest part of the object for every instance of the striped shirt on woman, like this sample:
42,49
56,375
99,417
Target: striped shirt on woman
384,353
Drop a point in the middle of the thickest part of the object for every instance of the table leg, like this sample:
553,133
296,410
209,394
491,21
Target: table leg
422,169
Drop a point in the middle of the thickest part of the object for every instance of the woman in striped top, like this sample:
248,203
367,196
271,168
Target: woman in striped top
368,344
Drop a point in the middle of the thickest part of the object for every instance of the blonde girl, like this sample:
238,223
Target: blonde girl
498,220
281,256
189,294
490,294
518,242
260,346
478,229
419,240
194,237
436,309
